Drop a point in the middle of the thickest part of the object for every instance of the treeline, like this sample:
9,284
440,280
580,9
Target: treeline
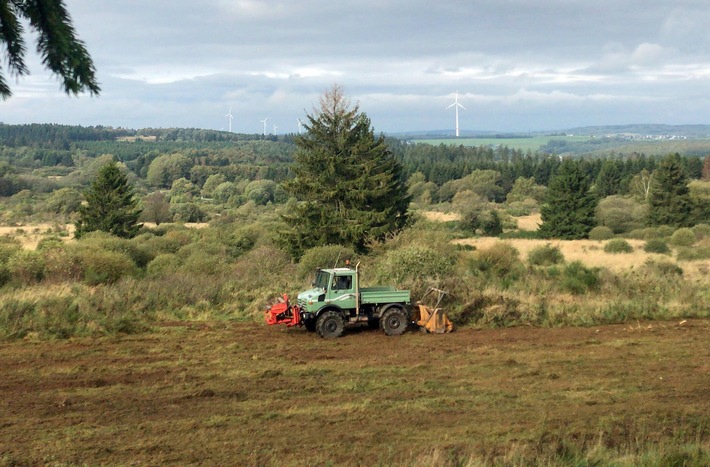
64,137
444,163
56,136
42,158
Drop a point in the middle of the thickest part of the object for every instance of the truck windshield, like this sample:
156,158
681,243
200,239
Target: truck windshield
322,278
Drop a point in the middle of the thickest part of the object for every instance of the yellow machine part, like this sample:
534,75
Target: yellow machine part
434,321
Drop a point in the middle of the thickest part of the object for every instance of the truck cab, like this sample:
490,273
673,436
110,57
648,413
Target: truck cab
336,287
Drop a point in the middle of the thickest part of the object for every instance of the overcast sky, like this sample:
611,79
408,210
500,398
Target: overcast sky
517,64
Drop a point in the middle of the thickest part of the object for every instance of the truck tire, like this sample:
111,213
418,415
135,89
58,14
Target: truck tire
330,325
394,321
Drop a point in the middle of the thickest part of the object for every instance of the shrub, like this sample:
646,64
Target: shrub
697,252
187,212
8,247
683,237
491,223
4,274
64,264
324,257
522,208
49,243
618,245
663,268
500,259
241,240
656,245
163,264
203,262
545,255
105,267
413,263
170,242
26,267
621,214
600,232
701,231
140,255
579,279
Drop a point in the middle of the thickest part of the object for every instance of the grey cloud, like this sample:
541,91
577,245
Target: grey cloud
520,64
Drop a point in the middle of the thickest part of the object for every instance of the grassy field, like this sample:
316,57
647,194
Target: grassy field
247,394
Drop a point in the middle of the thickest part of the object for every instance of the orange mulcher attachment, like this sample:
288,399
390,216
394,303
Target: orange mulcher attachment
432,319
283,313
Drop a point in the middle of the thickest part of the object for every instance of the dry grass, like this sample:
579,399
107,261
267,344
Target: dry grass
132,139
441,216
529,223
592,254
30,235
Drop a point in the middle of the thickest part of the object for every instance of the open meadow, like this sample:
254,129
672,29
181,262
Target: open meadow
246,394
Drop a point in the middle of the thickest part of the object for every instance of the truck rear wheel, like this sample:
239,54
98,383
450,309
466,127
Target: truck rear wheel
330,325
394,321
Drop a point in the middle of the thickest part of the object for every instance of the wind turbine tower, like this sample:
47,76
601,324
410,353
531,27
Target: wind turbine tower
300,124
230,117
456,106
264,122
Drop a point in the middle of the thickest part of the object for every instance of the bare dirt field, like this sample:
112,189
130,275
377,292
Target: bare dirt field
247,394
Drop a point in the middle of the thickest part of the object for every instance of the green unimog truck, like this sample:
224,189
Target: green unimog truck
336,300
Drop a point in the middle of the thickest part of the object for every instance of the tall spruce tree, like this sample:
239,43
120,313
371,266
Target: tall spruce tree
669,200
608,181
568,211
348,184
110,205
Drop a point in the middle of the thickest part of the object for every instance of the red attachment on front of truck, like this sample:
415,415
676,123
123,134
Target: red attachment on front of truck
283,313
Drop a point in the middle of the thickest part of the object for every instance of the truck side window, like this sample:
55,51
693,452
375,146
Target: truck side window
344,282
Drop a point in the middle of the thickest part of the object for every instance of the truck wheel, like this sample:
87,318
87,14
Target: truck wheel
394,321
330,325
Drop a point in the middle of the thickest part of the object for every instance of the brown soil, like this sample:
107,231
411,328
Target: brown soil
247,394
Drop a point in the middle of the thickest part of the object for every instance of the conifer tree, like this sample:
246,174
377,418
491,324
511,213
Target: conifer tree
568,212
110,205
62,52
608,181
669,200
348,185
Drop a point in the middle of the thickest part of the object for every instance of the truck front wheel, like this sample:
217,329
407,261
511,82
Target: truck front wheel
330,325
394,321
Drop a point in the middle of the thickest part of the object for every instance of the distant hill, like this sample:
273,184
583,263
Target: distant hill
686,131
638,130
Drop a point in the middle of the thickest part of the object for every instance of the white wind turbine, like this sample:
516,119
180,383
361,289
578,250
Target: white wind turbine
300,124
264,122
456,106
275,128
230,117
